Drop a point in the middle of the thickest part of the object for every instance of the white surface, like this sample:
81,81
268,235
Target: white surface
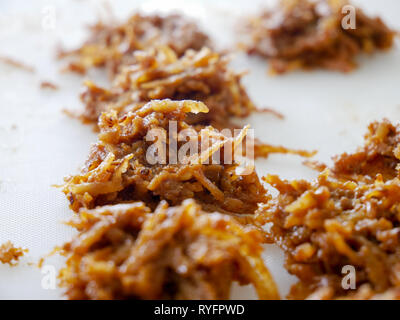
39,144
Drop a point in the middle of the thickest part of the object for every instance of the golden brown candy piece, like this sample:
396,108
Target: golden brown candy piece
126,252
305,34
165,58
160,73
348,217
124,167
202,75
379,155
10,254
327,224
113,45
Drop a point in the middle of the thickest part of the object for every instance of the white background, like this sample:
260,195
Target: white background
39,145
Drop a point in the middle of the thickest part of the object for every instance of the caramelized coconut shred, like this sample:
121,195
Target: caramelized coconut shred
380,155
112,46
148,250
153,68
9,254
306,34
185,252
348,216
152,228
127,252
119,168
160,74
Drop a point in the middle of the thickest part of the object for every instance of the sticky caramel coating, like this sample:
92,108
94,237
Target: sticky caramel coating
327,224
198,75
379,155
304,34
127,252
112,45
160,73
121,166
